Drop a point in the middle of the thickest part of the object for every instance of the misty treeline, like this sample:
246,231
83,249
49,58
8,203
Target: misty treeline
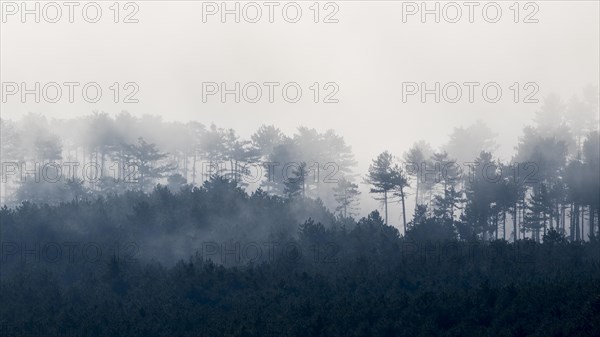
334,281
99,154
499,250
551,182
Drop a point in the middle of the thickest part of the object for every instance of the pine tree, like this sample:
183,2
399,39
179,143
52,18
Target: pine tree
295,184
346,195
380,176
148,162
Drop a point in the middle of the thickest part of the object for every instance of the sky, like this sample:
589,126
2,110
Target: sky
366,56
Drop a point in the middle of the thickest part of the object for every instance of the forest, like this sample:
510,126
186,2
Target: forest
134,226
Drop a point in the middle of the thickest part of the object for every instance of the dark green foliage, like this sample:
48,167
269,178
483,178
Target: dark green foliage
337,280
423,228
295,184
166,226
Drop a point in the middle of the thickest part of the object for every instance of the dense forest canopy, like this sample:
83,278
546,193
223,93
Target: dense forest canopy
260,271
132,226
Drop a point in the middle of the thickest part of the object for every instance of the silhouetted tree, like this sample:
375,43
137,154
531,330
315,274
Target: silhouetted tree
295,184
346,194
386,177
415,158
148,162
480,196
466,143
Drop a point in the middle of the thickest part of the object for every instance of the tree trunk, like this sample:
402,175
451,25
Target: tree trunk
592,225
504,225
403,209
545,221
582,223
417,194
523,214
563,216
515,223
557,216
452,191
572,223
194,170
385,202
576,221
485,230
185,167
102,158
496,225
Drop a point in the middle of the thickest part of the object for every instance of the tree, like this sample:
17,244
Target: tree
212,147
9,141
591,197
102,138
196,133
511,191
466,143
45,192
539,209
448,175
554,237
325,154
266,138
401,182
582,115
576,184
346,194
582,180
551,113
176,182
480,197
283,154
238,153
543,153
415,158
148,162
387,177
424,228
445,204
295,184
336,151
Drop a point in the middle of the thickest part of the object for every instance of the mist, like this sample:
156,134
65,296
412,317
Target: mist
344,168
